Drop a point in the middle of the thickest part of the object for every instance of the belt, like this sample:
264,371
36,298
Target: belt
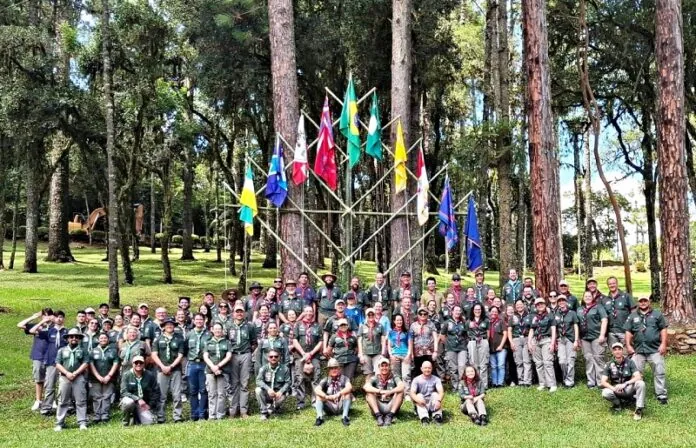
240,352
196,360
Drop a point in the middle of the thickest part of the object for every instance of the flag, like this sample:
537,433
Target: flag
473,240
448,223
248,208
374,131
422,193
348,124
277,183
300,166
400,160
325,163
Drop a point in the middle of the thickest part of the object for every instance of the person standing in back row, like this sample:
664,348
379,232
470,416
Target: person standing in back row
568,332
619,305
593,321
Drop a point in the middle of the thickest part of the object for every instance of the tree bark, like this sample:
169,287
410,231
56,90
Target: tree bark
4,162
187,176
285,117
168,198
33,193
650,194
677,287
586,250
15,214
542,153
153,222
401,66
114,237
58,237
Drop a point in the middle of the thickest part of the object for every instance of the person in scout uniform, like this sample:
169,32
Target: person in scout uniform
405,285
131,347
307,344
243,337
456,289
327,296
362,300
497,340
217,355
568,332
478,348
330,326
103,365
54,337
453,336
512,290
427,394
431,293
273,384
140,394
147,325
251,301
468,302
646,341
424,340
384,393
290,300
480,288
518,331
72,361
168,354
272,342
223,316
305,291
333,394
528,282
622,380
103,312
542,344
81,321
91,338
343,346
405,308
209,301
593,322
571,299
381,292
447,307
195,343
619,306
371,344
270,301
471,394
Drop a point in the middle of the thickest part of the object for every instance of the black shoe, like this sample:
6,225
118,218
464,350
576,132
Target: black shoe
388,419
194,419
484,420
638,414
425,421
380,420
438,420
346,421
319,421
663,401
617,408
474,419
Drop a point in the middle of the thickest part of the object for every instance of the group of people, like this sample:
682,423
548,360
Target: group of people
408,346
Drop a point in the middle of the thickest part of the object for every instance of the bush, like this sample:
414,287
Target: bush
195,239
42,233
492,264
21,232
158,237
640,266
98,236
78,235
177,240
203,241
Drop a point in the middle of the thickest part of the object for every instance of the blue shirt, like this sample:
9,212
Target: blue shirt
399,342
55,341
356,314
386,324
38,347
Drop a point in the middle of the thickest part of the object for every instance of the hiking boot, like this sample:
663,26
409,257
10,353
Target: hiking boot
380,420
319,421
388,419
425,421
345,421
438,420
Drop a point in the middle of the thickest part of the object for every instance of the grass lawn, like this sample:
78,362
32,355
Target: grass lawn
576,417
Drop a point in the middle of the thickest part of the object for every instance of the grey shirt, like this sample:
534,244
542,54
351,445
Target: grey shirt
425,386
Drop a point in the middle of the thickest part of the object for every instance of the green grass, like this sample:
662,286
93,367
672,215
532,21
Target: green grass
577,417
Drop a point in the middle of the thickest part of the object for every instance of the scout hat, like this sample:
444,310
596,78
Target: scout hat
539,300
456,277
255,285
73,332
238,307
168,320
383,360
137,358
143,305
333,363
290,282
617,344
591,280
342,322
329,274
339,301
562,297
563,283
369,310
644,298
89,310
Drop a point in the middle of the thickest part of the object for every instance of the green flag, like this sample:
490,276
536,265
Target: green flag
374,131
349,124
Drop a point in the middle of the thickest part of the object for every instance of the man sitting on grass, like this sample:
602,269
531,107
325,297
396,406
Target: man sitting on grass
622,381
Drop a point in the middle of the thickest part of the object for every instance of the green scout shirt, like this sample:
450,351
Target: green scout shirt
474,389
618,310
520,324
454,333
308,336
565,324
481,291
371,339
225,321
296,304
90,341
345,349
646,328
103,359
573,302
467,305
385,384
276,379
446,313
145,387
381,294
542,325
477,330
331,324
72,358
287,330
243,336
399,293
168,348
619,372
327,299
195,342
217,349
590,319
130,350
269,344
512,291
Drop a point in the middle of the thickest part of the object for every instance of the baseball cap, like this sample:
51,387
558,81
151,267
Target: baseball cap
590,280
143,305
644,298
562,297
456,277
563,283
89,310
382,360
238,307
539,300
369,310
342,322
617,344
332,363
339,301
137,358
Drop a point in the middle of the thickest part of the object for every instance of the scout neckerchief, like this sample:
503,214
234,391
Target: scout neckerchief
585,313
273,372
335,385
264,325
479,291
612,299
471,386
308,332
103,351
620,367
72,359
398,338
644,319
303,290
217,348
370,331
199,335
129,349
475,324
167,340
384,382
379,291
455,327
457,292
138,382
344,335
538,318
407,318
491,328
563,322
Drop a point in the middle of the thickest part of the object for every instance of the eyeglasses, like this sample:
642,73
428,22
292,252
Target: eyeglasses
422,314
272,357
552,295
222,306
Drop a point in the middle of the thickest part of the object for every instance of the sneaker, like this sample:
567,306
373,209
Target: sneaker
541,388
438,420
346,421
388,419
37,404
553,389
58,428
244,416
425,421
264,417
484,420
512,384
663,401
300,406
319,421
83,427
54,405
638,414
477,421
184,398
617,408
380,420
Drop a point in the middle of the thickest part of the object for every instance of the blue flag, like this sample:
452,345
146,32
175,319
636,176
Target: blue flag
474,255
448,223
277,184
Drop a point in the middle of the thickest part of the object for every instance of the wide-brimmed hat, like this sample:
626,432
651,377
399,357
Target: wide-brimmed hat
73,332
328,274
591,280
333,363
255,285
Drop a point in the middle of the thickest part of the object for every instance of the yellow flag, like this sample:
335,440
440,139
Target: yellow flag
400,160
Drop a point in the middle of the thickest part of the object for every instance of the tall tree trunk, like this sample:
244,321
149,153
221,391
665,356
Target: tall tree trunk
401,66
153,221
114,237
4,162
126,230
58,237
677,286
33,191
187,176
218,224
542,153
586,250
285,117
690,169
650,194
168,198
15,215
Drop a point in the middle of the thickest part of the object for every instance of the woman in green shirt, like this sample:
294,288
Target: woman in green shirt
217,354
593,322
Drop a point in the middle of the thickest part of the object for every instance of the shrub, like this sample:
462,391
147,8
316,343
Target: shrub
78,235
493,264
195,239
177,240
42,233
98,235
158,237
640,266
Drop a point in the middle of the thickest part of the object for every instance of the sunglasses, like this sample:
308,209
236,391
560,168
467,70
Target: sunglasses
136,363
238,311
273,357
422,314
223,306
277,281
72,337
553,295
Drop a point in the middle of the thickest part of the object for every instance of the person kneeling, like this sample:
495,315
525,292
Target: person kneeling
384,393
140,394
427,393
622,380
333,394
272,385
472,393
